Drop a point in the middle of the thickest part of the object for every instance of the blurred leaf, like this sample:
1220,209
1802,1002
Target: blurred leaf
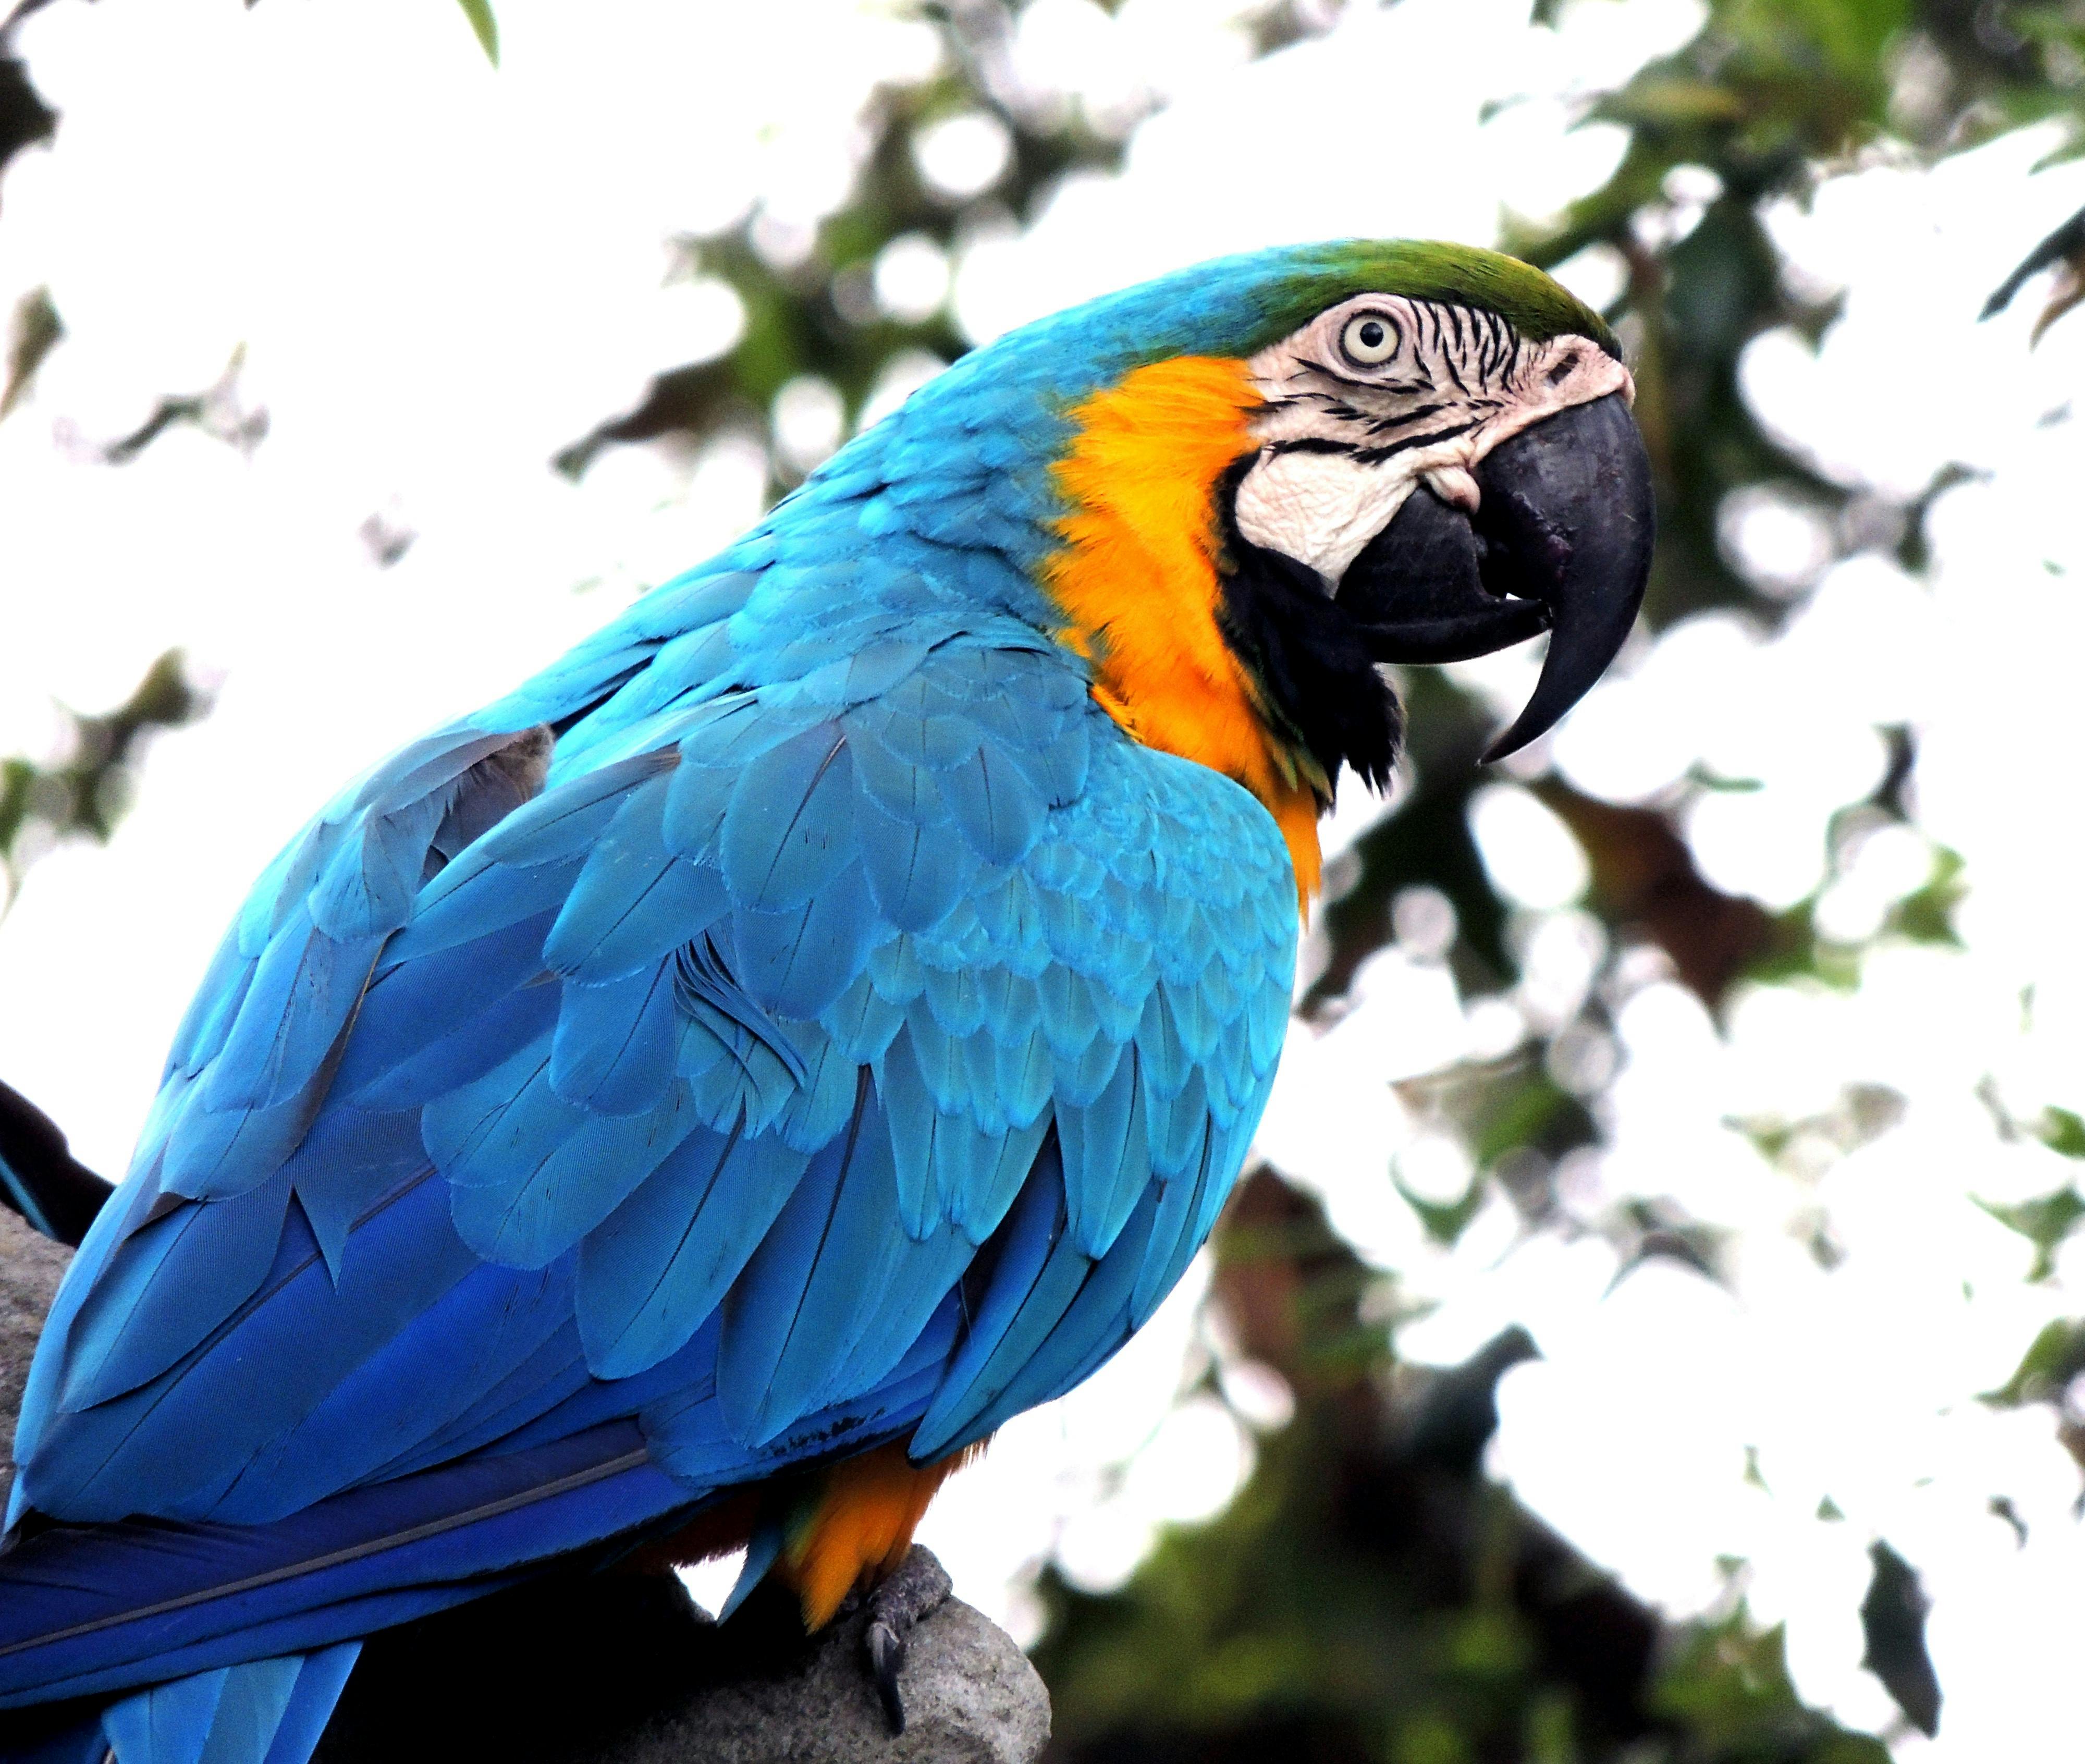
2056,1357
814,312
1893,1623
2062,1132
1659,1230
1927,915
2001,1506
219,410
1531,1110
2043,1222
1443,1220
24,118
34,333
484,27
1298,1297
1673,100
1371,1596
1703,779
1859,1116
86,791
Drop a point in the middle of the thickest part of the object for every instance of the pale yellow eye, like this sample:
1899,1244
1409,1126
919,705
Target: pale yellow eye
1369,338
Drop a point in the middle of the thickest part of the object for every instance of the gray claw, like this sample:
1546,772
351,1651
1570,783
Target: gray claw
919,1587
886,1659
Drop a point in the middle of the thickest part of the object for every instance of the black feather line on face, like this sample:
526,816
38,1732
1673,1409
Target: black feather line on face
1317,680
1375,456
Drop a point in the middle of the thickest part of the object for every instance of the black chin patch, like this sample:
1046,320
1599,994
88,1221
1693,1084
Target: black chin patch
1306,653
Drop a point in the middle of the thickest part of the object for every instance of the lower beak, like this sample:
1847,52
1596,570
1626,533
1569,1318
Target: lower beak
1561,541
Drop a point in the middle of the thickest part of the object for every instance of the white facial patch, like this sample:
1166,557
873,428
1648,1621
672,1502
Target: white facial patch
1319,509
1382,393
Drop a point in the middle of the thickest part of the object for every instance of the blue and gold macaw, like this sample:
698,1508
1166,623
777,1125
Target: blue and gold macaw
692,1102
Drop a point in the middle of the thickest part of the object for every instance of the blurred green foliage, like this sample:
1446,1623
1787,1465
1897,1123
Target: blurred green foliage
2045,1221
82,788
483,26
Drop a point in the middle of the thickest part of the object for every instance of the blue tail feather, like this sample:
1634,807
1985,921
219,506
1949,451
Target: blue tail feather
108,1608
260,1712
311,1705
168,1724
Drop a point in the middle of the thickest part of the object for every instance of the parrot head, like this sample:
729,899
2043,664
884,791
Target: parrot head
1258,480
1455,471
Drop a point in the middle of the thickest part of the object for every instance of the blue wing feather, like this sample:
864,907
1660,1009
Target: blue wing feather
220,1154
659,1266
616,1044
796,1313
214,1008
523,1199
637,899
798,962
415,1002
1037,1275
474,1337
174,1281
474,906
1092,1327
915,872
551,1377
1106,1154
788,828
676,1075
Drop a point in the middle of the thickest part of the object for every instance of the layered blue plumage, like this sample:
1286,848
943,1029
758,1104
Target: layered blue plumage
798,1019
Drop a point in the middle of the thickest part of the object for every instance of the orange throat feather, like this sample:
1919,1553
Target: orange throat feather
1138,586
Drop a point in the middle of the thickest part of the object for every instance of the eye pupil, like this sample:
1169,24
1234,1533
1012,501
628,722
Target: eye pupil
1369,338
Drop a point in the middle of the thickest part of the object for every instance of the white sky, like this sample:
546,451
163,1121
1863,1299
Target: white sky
439,275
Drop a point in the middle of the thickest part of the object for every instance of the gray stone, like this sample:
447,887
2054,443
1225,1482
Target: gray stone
970,1695
31,1265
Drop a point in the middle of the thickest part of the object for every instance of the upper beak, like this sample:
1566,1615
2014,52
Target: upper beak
1561,541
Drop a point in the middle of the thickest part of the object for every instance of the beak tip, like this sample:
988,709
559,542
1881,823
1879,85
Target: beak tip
1587,469
1510,742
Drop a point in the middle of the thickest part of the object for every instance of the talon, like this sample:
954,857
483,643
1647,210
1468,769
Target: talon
886,1659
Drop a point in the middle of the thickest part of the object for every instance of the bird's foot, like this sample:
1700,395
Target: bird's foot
918,1587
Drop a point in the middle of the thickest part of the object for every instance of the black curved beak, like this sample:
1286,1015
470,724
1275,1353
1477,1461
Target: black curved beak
1560,542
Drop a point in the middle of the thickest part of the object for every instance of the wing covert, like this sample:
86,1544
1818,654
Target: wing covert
750,1024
